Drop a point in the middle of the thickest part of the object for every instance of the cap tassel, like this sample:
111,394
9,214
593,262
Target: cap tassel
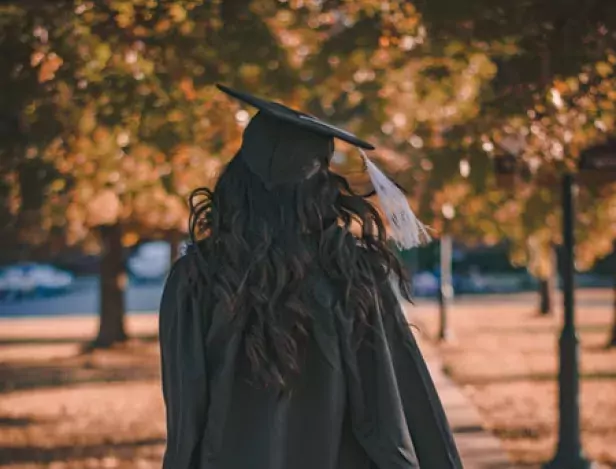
406,230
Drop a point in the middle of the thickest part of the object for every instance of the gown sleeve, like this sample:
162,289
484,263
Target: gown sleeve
183,369
427,423
396,414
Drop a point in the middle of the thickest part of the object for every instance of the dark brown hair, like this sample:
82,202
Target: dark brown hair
257,247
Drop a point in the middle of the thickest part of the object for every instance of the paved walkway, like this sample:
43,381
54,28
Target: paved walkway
478,447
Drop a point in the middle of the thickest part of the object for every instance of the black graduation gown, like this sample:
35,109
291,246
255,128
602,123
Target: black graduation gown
372,408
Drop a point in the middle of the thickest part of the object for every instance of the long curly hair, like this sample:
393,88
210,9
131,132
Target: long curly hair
257,248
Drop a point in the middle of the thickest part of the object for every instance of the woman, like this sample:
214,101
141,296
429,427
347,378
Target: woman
283,344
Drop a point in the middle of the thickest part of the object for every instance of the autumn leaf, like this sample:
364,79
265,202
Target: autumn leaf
49,65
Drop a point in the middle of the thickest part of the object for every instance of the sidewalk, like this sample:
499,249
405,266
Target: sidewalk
478,448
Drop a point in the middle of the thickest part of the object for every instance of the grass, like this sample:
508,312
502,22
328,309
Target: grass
505,357
64,409
61,408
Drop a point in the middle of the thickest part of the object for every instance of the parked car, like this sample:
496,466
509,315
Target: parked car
476,282
150,261
32,279
425,284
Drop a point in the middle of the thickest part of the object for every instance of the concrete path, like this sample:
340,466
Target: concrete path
479,448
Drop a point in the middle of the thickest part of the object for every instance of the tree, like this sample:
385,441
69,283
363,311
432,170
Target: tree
552,96
612,340
117,97
114,111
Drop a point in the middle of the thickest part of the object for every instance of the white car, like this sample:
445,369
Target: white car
425,284
31,279
151,261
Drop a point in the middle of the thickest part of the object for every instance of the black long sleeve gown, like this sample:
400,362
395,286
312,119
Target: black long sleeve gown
369,408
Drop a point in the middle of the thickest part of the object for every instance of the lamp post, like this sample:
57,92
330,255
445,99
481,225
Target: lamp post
569,452
597,166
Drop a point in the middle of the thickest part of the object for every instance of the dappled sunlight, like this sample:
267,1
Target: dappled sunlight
505,357
110,118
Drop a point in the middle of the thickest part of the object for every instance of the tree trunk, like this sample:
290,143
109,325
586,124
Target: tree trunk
612,341
547,286
545,297
445,294
174,240
112,285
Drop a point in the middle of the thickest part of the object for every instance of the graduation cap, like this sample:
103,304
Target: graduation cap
283,146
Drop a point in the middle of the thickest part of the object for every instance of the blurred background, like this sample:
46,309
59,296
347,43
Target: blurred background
109,118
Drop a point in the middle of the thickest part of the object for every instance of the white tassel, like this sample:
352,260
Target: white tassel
406,230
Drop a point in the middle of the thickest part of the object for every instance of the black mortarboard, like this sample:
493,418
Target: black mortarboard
281,145
300,119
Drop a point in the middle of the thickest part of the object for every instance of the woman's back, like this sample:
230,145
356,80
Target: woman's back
350,407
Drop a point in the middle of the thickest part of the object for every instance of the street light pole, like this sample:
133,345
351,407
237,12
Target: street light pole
569,454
